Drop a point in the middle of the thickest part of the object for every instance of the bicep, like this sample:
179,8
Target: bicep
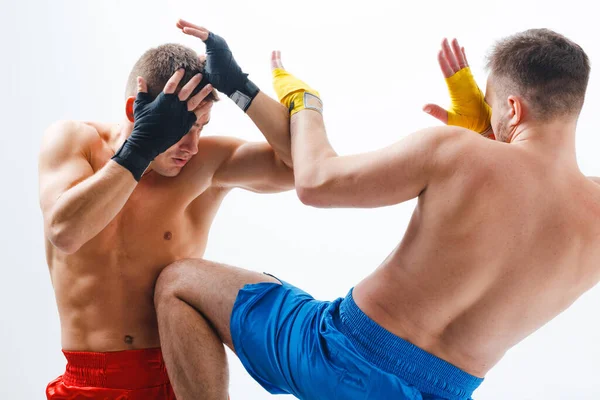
254,166
63,162
384,177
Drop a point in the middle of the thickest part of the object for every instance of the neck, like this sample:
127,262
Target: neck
556,139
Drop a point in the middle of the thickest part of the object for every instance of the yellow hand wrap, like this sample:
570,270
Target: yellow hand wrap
468,108
295,94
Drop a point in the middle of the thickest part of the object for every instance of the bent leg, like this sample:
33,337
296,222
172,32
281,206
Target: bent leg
194,299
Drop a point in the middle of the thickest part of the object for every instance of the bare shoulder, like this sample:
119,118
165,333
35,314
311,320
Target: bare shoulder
594,179
65,158
72,130
216,149
64,137
448,138
219,143
213,151
451,146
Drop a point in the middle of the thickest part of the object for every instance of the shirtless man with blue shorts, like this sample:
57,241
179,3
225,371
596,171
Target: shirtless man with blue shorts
504,238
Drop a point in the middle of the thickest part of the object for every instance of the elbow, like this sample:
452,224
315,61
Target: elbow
308,195
313,189
62,238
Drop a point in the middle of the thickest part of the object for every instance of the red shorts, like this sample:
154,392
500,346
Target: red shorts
119,375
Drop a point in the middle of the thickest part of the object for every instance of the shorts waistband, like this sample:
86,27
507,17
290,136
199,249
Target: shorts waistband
128,369
397,356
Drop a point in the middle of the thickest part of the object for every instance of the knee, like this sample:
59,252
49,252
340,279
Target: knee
166,284
172,279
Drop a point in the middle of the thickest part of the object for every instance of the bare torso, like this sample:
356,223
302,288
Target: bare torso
104,291
493,251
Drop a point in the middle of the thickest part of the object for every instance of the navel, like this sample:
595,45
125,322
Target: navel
168,235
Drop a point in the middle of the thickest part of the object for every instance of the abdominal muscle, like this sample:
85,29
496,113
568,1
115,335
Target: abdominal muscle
105,294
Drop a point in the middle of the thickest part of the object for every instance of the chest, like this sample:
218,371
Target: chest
157,226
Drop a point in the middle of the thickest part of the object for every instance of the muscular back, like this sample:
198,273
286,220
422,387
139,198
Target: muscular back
498,245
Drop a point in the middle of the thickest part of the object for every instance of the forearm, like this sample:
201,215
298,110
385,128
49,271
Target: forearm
273,120
87,208
312,152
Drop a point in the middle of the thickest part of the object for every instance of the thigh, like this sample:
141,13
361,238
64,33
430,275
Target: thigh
211,288
289,343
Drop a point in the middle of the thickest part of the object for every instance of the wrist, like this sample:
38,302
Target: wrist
243,96
305,101
130,158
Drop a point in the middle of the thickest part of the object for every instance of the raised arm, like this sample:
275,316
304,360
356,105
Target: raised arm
273,120
468,107
78,202
222,71
249,165
383,177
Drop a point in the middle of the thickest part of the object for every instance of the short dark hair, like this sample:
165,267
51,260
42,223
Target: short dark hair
550,71
158,64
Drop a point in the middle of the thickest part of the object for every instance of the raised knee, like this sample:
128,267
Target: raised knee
174,277
169,280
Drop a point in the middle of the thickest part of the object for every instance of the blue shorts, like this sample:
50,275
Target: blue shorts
291,343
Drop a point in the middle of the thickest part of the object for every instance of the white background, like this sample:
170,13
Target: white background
374,63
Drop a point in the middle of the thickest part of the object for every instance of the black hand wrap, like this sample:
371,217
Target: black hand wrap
159,124
223,72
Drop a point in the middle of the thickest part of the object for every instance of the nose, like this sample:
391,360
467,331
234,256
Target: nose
189,143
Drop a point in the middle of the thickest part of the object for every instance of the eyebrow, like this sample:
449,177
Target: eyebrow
197,125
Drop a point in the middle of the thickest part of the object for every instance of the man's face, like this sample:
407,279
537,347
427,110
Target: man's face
170,162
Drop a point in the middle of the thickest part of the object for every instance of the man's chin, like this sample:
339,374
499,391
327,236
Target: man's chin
174,172
168,172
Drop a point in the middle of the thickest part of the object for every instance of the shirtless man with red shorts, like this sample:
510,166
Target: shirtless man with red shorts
122,201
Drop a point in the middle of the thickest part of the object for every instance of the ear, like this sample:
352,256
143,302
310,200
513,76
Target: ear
129,108
515,110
